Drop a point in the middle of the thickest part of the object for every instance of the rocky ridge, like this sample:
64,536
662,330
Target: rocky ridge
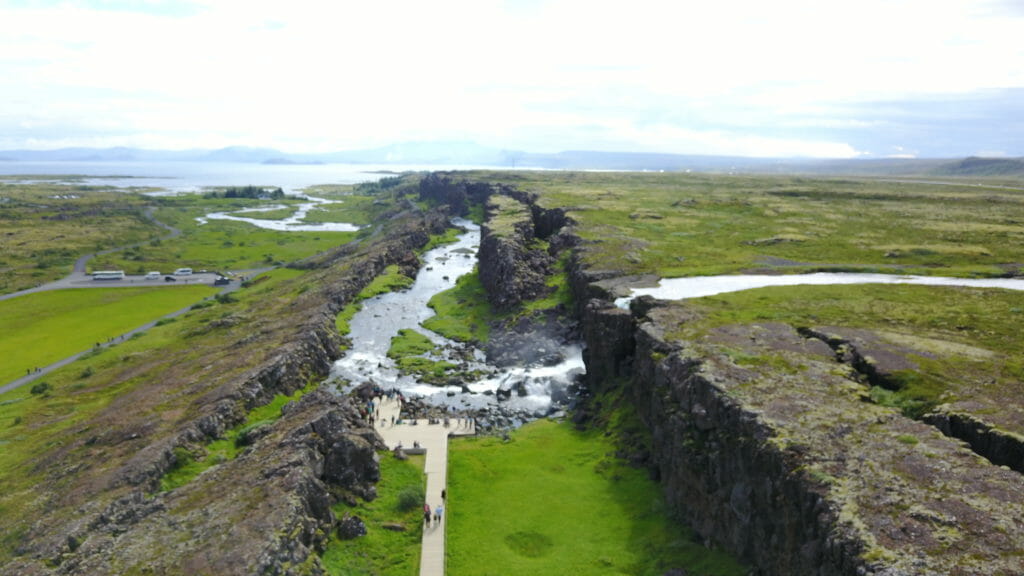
765,444
266,511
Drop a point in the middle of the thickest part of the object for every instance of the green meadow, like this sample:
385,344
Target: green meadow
47,226
223,244
383,552
45,327
966,340
553,500
676,224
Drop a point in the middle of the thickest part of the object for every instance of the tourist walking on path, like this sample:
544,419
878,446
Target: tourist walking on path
438,512
426,514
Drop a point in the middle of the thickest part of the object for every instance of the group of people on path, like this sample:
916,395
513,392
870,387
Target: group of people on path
438,512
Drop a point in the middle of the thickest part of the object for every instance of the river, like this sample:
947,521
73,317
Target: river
381,318
698,286
293,223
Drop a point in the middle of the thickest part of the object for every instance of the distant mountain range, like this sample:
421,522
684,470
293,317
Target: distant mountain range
455,154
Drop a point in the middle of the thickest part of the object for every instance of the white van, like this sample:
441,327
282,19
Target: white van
183,272
152,276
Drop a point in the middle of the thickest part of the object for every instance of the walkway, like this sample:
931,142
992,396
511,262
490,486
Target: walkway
434,439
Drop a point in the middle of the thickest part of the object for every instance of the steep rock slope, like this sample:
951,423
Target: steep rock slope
98,507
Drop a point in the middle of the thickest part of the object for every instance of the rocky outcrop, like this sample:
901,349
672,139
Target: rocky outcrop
264,512
513,269
441,189
998,446
764,444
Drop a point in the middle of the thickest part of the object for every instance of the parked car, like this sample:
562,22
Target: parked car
183,272
221,281
152,276
170,279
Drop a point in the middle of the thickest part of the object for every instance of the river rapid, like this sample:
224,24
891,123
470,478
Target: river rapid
509,394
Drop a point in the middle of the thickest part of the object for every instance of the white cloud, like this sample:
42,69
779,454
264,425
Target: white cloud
318,76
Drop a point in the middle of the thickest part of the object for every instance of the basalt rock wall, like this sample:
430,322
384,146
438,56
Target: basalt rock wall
513,266
724,479
765,444
266,511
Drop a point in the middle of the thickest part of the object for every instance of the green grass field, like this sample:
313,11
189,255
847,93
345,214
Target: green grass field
44,327
218,244
703,224
967,338
556,501
383,552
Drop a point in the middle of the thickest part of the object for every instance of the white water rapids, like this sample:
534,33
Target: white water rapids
381,317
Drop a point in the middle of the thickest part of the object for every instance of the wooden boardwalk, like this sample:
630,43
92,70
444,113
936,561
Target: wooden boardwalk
433,438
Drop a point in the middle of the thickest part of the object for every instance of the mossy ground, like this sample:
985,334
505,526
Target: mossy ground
218,244
553,500
966,339
48,225
383,552
703,224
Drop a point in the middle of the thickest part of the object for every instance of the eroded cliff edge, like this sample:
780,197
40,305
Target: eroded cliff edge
766,441
766,444
268,510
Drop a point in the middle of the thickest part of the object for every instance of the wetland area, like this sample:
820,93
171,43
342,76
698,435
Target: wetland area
837,393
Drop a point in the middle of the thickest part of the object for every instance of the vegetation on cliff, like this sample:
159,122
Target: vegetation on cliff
82,461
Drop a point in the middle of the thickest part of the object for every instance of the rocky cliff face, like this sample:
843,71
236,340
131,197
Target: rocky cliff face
513,268
764,443
266,511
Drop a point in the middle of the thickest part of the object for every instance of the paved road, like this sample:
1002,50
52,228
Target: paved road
434,439
79,279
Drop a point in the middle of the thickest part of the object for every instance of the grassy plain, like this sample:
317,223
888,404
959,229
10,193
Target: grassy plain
701,224
223,244
46,226
384,552
967,340
556,501
44,327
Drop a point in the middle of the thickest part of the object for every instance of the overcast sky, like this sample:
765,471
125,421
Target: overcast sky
740,77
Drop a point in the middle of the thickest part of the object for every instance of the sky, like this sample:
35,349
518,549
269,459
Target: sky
782,78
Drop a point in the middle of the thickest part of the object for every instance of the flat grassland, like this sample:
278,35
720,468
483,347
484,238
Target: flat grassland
700,224
47,226
963,343
556,501
227,245
45,327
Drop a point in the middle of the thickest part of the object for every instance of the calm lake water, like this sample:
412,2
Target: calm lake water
194,176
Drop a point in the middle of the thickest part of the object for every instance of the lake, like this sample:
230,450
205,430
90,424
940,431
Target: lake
194,176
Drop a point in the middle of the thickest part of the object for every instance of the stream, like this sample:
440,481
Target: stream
698,286
294,223
509,394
